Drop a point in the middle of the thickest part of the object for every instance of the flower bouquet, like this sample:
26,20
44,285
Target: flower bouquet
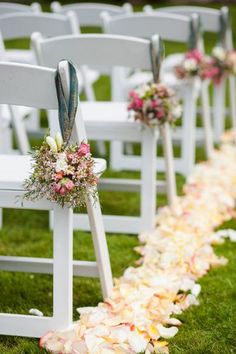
62,173
219,65
154,104
190,66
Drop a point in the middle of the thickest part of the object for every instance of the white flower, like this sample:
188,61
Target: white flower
190,64
59,140
61,164
219,53
51,143
177,111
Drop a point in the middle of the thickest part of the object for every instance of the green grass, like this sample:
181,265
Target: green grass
208,328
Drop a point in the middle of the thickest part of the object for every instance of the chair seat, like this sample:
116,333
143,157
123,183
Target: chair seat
15,169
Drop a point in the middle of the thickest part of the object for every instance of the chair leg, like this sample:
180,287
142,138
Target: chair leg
63,266
206,114
169,162
148,179
219,111
100,245
188,142
232,92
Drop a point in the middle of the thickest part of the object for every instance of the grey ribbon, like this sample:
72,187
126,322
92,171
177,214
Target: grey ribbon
67,111
157,52
195,30
224,23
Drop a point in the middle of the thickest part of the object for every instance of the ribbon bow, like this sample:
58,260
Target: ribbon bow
67,110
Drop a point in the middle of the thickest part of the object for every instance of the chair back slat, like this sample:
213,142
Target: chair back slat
209,17
169,26
7,8
96,50
23,25
212,20
89,14
27,85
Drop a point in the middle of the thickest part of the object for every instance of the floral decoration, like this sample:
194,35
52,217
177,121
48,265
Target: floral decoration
219,65
62,173
140,315
154,104
191,65
216,67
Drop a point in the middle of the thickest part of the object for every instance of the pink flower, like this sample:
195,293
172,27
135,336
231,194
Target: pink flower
69,185
57,188
194,54
70,157
63,191
160,114
83,150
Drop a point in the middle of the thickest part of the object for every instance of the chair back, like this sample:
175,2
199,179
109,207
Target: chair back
8,8
109,49
16,89
89,14
212,20
22,25
170,27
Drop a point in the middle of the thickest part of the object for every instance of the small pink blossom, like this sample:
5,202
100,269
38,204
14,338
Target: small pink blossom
69,185
63,190
83,150
194,54
57,188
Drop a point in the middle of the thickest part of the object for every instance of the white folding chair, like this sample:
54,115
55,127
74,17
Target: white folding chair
214,21
109,120
16,89
172,28
89,14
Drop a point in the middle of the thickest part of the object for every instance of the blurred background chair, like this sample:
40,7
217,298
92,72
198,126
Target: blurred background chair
174,28
218,22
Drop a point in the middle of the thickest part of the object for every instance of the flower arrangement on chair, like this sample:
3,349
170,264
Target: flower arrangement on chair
62,173
191,65
216,67
219,65
154,104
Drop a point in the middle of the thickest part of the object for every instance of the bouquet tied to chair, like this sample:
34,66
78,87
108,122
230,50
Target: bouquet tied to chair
63,172
154,104
216,67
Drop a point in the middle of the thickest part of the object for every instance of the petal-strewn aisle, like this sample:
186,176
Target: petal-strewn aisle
140,314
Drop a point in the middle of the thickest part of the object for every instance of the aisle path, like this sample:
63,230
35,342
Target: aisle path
140,314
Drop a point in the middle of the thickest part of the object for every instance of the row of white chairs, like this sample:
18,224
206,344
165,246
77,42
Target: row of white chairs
103,121
140,25
16,89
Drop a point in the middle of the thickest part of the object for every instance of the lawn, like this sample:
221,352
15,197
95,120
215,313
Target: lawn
208,328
